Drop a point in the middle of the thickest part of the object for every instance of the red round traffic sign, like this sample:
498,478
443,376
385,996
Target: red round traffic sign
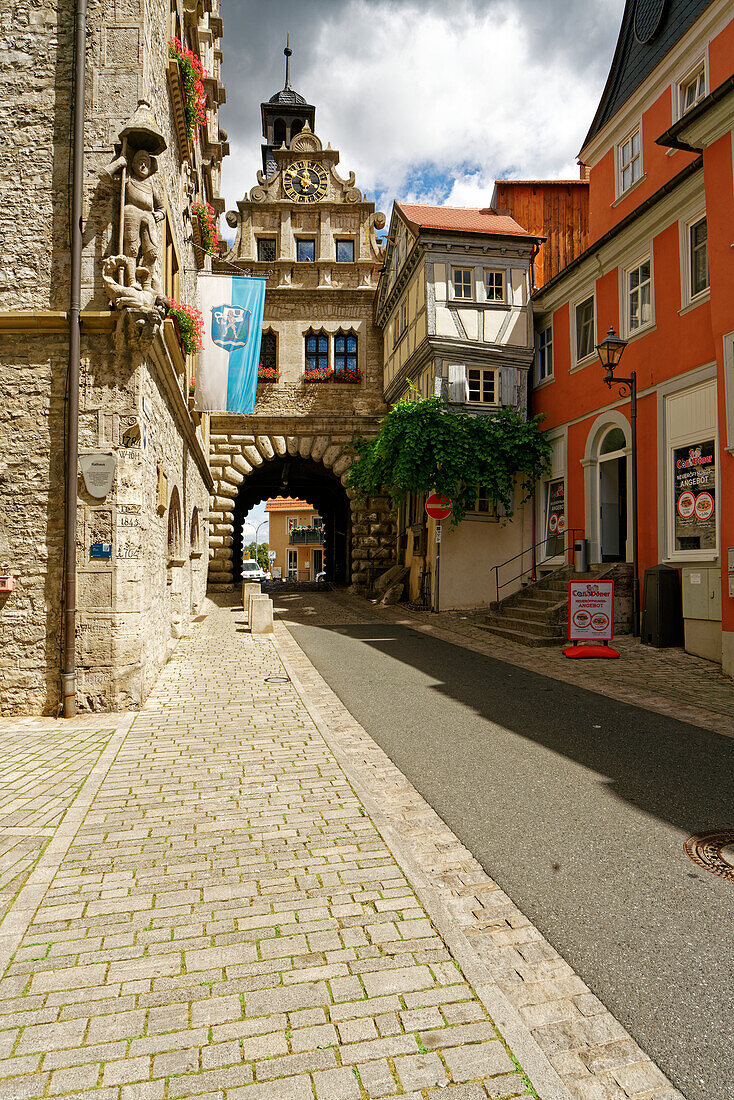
438,507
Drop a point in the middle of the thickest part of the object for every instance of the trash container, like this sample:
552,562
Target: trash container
662,612
581,555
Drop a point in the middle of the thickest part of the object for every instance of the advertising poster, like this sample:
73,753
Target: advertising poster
590,611
694,490
555,521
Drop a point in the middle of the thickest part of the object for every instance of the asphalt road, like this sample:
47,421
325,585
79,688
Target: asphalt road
578,806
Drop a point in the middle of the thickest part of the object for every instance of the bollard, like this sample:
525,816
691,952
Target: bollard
261,615
249,588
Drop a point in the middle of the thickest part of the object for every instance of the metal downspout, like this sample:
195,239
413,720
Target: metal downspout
68,672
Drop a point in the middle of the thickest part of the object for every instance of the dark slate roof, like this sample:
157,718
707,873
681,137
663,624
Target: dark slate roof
662,23
288,98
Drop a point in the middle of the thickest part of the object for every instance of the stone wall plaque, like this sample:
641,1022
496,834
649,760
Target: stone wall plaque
98,472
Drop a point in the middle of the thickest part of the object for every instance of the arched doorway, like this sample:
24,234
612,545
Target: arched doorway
607,464
293,476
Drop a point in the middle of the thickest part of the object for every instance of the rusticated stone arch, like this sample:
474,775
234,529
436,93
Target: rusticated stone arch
235,457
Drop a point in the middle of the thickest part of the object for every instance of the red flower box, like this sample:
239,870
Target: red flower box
267,374
348,375
319,375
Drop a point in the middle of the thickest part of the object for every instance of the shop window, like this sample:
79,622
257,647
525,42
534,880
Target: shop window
345,354
266,249
482,386
494,282
698,257
639,296
694,496
305,251
554,516
630,161
345,252
545,353
462,282
585,336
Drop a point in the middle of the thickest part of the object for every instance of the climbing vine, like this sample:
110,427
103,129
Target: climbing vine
423,446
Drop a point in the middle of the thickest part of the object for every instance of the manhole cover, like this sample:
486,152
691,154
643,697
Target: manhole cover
277,680
714,852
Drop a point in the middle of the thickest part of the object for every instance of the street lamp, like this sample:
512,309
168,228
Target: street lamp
610,352
249,523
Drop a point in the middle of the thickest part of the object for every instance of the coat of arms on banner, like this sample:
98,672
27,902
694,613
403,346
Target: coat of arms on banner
230,326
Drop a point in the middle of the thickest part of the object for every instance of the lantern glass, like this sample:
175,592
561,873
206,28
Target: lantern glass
610,350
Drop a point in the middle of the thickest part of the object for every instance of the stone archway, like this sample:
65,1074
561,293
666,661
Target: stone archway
247,468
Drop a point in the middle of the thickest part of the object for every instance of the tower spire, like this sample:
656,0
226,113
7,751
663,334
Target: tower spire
288,52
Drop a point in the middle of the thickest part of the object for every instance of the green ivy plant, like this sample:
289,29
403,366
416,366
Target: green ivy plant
423,446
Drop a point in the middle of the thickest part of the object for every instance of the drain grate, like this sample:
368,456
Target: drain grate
714,852
277,680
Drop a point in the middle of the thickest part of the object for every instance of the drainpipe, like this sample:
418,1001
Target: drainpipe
68,672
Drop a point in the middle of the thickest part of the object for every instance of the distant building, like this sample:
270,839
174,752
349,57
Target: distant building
297,539
453,304
658,268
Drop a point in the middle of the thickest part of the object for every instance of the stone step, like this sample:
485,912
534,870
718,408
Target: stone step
519,635
529,626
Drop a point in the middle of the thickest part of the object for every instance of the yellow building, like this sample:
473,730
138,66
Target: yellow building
296,538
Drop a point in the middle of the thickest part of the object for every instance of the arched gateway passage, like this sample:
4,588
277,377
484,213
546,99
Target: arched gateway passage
307,480
359,534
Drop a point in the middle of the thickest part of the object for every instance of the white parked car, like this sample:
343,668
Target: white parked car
251,571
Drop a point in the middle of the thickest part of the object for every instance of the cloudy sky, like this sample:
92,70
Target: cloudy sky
425,100
428,101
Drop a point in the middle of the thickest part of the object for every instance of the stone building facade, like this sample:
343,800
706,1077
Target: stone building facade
142,545
312,234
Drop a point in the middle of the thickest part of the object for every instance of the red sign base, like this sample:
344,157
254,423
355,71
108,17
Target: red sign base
583,651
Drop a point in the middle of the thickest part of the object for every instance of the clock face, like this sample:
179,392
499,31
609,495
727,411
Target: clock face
305,182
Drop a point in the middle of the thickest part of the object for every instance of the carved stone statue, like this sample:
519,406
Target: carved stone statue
131,275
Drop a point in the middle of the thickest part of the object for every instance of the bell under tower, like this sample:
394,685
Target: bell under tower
283,116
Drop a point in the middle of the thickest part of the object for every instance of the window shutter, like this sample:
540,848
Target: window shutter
458,386
508,386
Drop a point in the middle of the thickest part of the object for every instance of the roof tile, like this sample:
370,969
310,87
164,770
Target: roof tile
462,219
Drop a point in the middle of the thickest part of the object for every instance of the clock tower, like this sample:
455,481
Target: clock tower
312,234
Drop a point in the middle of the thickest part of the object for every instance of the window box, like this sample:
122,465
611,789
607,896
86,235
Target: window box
348,374
178,103
268,374
318,374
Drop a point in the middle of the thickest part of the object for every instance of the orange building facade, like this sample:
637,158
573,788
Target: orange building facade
658,267
296,537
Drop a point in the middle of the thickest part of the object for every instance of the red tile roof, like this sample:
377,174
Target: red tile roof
461,219
542,183
288,504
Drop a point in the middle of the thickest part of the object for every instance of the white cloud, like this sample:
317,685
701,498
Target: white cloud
430,105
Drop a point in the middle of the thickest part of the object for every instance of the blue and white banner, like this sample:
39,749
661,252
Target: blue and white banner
232,308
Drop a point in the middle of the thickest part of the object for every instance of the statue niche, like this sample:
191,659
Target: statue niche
131,275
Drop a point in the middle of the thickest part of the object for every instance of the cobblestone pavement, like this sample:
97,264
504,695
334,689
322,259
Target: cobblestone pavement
216,914
669,681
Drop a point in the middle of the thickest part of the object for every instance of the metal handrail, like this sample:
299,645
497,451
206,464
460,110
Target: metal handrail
570,535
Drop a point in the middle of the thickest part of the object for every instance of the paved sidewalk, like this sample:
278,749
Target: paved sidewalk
214,914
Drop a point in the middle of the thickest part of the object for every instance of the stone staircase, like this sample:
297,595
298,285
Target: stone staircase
537,614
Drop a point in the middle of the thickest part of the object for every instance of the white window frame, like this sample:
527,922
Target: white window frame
622,165
580,361
694,73
489,512
628,331
460,297
503,287
495,386
685,225
541,378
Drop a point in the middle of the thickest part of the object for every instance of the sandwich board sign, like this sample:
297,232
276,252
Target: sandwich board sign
590,619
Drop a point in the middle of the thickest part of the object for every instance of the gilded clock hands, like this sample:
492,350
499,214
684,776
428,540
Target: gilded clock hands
305,179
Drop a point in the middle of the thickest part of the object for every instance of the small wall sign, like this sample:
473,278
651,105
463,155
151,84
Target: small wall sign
100,550
98,472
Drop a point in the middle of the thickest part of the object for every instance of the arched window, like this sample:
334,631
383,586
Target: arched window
345,357
317,352
174,541
268,355
296,127
195,534
278,132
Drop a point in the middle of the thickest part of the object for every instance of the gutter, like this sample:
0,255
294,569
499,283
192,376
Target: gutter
610,234
670,138
68,672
